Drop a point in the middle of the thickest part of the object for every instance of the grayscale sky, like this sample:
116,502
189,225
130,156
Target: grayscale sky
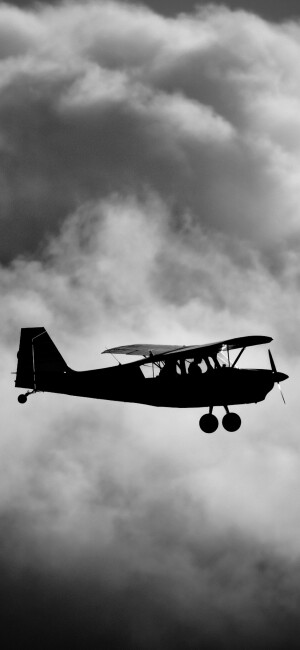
273,10
149,192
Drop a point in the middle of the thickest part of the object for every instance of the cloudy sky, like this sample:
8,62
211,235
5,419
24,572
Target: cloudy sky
149,191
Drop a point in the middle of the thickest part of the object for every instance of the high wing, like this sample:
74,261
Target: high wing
159,352
144,349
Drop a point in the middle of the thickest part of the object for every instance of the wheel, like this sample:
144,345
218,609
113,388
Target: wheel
208,423
231,421
22,399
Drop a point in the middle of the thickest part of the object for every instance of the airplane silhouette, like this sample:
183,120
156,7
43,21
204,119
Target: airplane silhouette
189,376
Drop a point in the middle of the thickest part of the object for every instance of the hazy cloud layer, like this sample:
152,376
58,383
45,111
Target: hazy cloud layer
149,191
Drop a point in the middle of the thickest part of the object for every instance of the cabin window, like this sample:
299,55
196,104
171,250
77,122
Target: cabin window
223,359
203,366
150,370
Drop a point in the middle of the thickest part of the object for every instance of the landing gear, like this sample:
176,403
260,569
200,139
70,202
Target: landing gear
231,421
22,399
208,422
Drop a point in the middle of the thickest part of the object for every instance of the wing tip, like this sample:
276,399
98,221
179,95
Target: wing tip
108,351
267,339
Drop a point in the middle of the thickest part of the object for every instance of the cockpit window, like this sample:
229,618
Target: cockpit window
150,370
223,359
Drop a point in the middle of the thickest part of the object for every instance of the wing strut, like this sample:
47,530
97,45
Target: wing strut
112,354
238,357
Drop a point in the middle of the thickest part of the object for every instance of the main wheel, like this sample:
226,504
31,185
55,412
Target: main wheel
22,399
231,421
208,423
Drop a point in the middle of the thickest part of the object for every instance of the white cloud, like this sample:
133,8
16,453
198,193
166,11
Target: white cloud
203,110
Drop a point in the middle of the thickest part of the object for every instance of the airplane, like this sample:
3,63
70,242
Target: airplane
192,376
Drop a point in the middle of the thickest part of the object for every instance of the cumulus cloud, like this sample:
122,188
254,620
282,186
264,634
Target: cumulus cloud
149,192
202,109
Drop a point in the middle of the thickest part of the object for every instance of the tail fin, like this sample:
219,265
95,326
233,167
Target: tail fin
37,354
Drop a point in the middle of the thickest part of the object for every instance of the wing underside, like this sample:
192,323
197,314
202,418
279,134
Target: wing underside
143,349
158,352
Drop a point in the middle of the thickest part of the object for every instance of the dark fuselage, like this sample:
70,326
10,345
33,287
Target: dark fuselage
126,383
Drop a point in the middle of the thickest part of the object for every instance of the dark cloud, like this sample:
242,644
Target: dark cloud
40,606
269,9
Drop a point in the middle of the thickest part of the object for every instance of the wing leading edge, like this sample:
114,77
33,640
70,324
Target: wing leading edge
157,352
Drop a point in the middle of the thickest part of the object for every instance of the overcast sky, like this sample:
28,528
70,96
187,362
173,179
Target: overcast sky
149,192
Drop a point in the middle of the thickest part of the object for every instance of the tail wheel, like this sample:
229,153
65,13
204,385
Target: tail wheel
231,421
208,423
22,399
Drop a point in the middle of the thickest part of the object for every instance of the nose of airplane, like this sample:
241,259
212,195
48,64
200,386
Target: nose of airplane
280,376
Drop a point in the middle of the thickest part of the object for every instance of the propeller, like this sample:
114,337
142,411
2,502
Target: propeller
278,376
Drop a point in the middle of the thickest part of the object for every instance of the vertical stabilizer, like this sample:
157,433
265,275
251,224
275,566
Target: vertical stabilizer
37,355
